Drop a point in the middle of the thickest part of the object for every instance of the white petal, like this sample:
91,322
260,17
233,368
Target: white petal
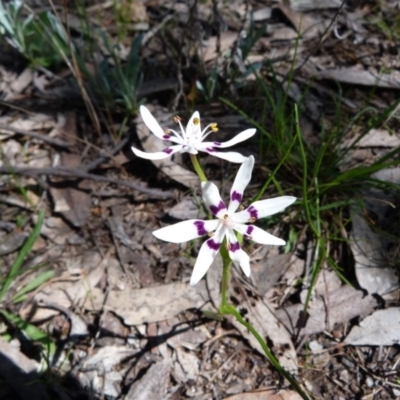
258,235
186,230
193,128
152,124
207,253
241,181
236,253
248,133
264,208
159,155
230,156
213,200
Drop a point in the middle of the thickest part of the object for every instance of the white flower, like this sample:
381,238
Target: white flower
191,139
228,221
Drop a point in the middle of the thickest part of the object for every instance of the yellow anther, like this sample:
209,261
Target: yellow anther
196,121
252,219
177,119
214,127
225,217
241,207
167,131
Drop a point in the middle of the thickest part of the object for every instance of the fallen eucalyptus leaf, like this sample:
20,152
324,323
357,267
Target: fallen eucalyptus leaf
382,328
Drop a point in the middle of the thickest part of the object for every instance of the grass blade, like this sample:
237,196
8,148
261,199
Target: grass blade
26,248
34,284
31,331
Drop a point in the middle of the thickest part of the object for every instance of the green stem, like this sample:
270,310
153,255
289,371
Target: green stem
231,310
226,271
197,167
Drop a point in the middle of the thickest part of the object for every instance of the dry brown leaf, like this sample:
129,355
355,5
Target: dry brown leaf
374,246
11,85
227,40
307,25
283,33
189,338
23,122
102,370
262,14
266,395
136,10
190,364
343,304
379,138
12,242
153,385
328,281
267,271
152,304
187,209
71,197
360,76
10,153
23,80
57,230
372,270
116,225
107,358
382,328
312,5
69,290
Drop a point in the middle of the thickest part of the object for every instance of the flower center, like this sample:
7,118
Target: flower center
227,221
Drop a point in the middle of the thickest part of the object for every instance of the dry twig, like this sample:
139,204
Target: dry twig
81,174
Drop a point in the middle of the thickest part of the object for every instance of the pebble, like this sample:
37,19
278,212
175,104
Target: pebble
370,382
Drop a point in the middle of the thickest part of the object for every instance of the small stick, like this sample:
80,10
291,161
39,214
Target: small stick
45,138
81,174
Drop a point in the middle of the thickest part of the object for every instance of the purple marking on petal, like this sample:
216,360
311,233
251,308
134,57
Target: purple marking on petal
201,230
253,212
217,143
213,245
168,150
166,137
236,196
234,247
216,209
249,230
210,149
